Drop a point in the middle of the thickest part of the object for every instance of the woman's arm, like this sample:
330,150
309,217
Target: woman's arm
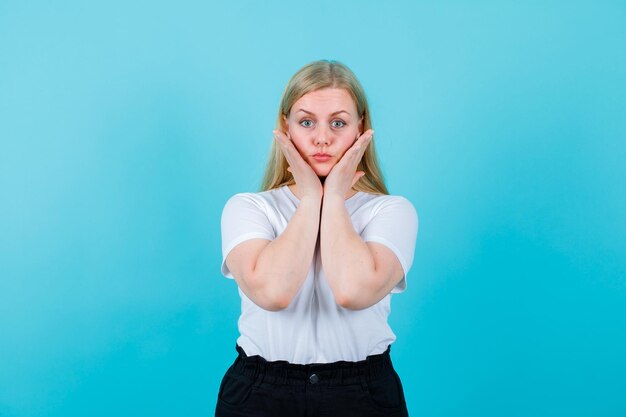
359,273
270,273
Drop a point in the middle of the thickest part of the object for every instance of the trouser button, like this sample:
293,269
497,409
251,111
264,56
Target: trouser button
313,378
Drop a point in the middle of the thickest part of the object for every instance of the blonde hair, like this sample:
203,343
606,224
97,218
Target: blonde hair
313,77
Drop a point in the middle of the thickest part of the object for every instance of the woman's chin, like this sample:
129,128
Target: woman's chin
322,171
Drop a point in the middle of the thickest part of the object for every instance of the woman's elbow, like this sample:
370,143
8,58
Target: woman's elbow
358,297
269,301
267,296
344,301
275,303
352,300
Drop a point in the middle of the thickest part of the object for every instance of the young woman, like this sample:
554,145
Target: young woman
317,255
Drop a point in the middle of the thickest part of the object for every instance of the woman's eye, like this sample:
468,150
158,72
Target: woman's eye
338,123
306,123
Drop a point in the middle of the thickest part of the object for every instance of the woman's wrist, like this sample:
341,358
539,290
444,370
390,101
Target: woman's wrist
330,196
312,198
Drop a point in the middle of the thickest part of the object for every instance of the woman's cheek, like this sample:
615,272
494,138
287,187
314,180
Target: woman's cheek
347,144
299,148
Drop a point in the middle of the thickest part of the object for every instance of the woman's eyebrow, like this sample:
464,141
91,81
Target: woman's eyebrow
332,114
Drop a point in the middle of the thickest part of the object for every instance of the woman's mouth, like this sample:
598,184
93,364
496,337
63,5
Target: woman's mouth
322,157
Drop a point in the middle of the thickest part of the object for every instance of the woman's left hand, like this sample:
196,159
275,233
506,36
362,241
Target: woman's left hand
344,175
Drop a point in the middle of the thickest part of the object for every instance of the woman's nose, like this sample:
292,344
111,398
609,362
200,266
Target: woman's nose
322,136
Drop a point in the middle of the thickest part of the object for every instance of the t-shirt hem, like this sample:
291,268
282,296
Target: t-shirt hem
235,242
401,286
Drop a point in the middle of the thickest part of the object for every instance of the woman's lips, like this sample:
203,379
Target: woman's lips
321,157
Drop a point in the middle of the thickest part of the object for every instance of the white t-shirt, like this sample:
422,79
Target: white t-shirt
314,328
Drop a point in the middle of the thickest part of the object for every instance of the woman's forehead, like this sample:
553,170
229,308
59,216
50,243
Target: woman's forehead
325,101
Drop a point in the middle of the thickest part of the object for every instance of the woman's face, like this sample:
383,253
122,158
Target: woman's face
323,124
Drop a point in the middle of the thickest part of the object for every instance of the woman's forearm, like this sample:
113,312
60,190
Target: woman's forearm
348,262
284,263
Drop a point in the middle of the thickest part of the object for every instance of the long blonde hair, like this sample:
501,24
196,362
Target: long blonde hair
313,77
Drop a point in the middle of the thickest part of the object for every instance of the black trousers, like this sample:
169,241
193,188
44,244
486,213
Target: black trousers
254,387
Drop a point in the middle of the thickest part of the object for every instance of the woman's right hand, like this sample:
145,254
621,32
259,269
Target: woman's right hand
307,181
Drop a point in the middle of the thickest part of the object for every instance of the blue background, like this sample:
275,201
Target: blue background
124,128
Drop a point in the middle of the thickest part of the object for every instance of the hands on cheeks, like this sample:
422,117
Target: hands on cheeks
342,176
308,182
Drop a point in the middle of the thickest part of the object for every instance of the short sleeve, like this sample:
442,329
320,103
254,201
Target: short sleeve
244,217
394,224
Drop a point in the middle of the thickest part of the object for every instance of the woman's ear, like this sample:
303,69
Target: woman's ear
285,124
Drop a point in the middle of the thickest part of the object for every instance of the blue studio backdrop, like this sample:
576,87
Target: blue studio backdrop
125,126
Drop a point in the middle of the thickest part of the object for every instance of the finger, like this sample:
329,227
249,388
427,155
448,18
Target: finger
365,135
364,140
280,136
357,177
293,157
286,146
357,150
